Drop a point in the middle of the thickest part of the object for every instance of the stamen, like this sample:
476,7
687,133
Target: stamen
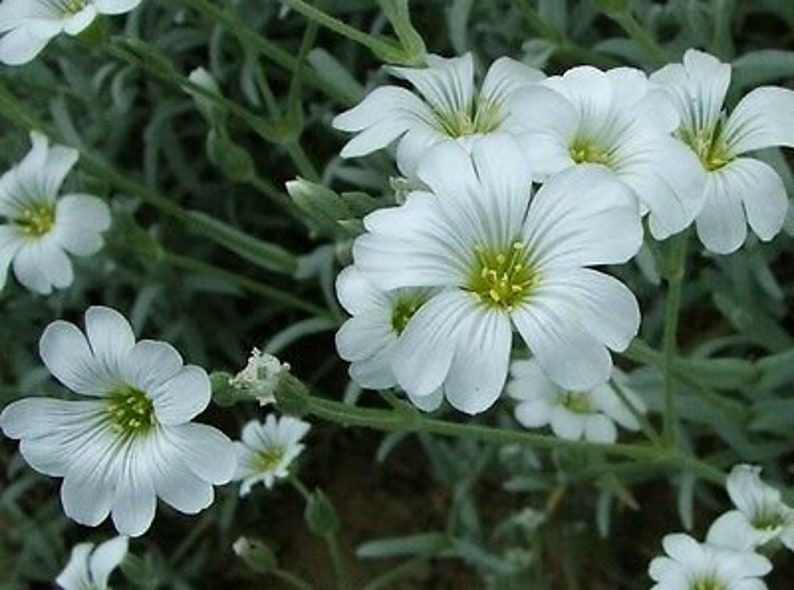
503,277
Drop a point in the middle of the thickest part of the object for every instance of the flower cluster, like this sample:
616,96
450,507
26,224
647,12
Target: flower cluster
440,283
727,560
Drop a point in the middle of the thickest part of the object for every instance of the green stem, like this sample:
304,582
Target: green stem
645,425
675,276
250,285
387,579
380,48
268,49
407,420
338,564
291,579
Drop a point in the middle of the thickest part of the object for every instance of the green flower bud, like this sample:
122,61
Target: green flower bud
256,555
321,516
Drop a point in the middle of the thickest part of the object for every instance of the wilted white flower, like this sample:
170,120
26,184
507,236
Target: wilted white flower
616,120
574,415
267,450
90,566
260,377
369,338
452,109
28,25
134,441
500,261
41,227
739,190
701,566
760,514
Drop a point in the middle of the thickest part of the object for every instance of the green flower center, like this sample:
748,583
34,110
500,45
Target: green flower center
68,7
403,309
767,519
131,411
576,402
37,220
708,144
270,457
503,277
586,151
709,583
482,117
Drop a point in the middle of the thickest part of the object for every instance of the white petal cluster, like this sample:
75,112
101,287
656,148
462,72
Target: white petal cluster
260,377
27,26
739,190
499,260
42,228
473,253
90,566
690,565
369,338
614,119
450,109
267,450
574,415
760,516
132,440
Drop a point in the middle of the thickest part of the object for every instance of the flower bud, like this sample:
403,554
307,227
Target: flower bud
321,516
256,555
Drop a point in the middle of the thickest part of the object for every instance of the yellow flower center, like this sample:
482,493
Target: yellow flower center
586,151
37,220
403,309
68,7
576,402
707,584
131,411
503,277
482,117
708,144
270,457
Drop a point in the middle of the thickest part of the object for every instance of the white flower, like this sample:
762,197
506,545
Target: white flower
90,567
616,120
28,25
701,566
500,262
572,414
43,228
267,450
260,377
760,517
369,338
134,440
739,190
452,109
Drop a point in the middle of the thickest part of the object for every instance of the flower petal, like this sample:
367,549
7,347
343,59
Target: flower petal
583,216
80,221
76,575
65,351
110,336
762,193
567,353
763,118
479,368
722,225
105,558
150,364
506,76
424,353
183,397
600,429
365,335
134,501
10,243
356,293
115,6
206,450
21,46
447,84
42,264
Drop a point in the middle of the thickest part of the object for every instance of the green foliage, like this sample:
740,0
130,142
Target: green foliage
232,214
